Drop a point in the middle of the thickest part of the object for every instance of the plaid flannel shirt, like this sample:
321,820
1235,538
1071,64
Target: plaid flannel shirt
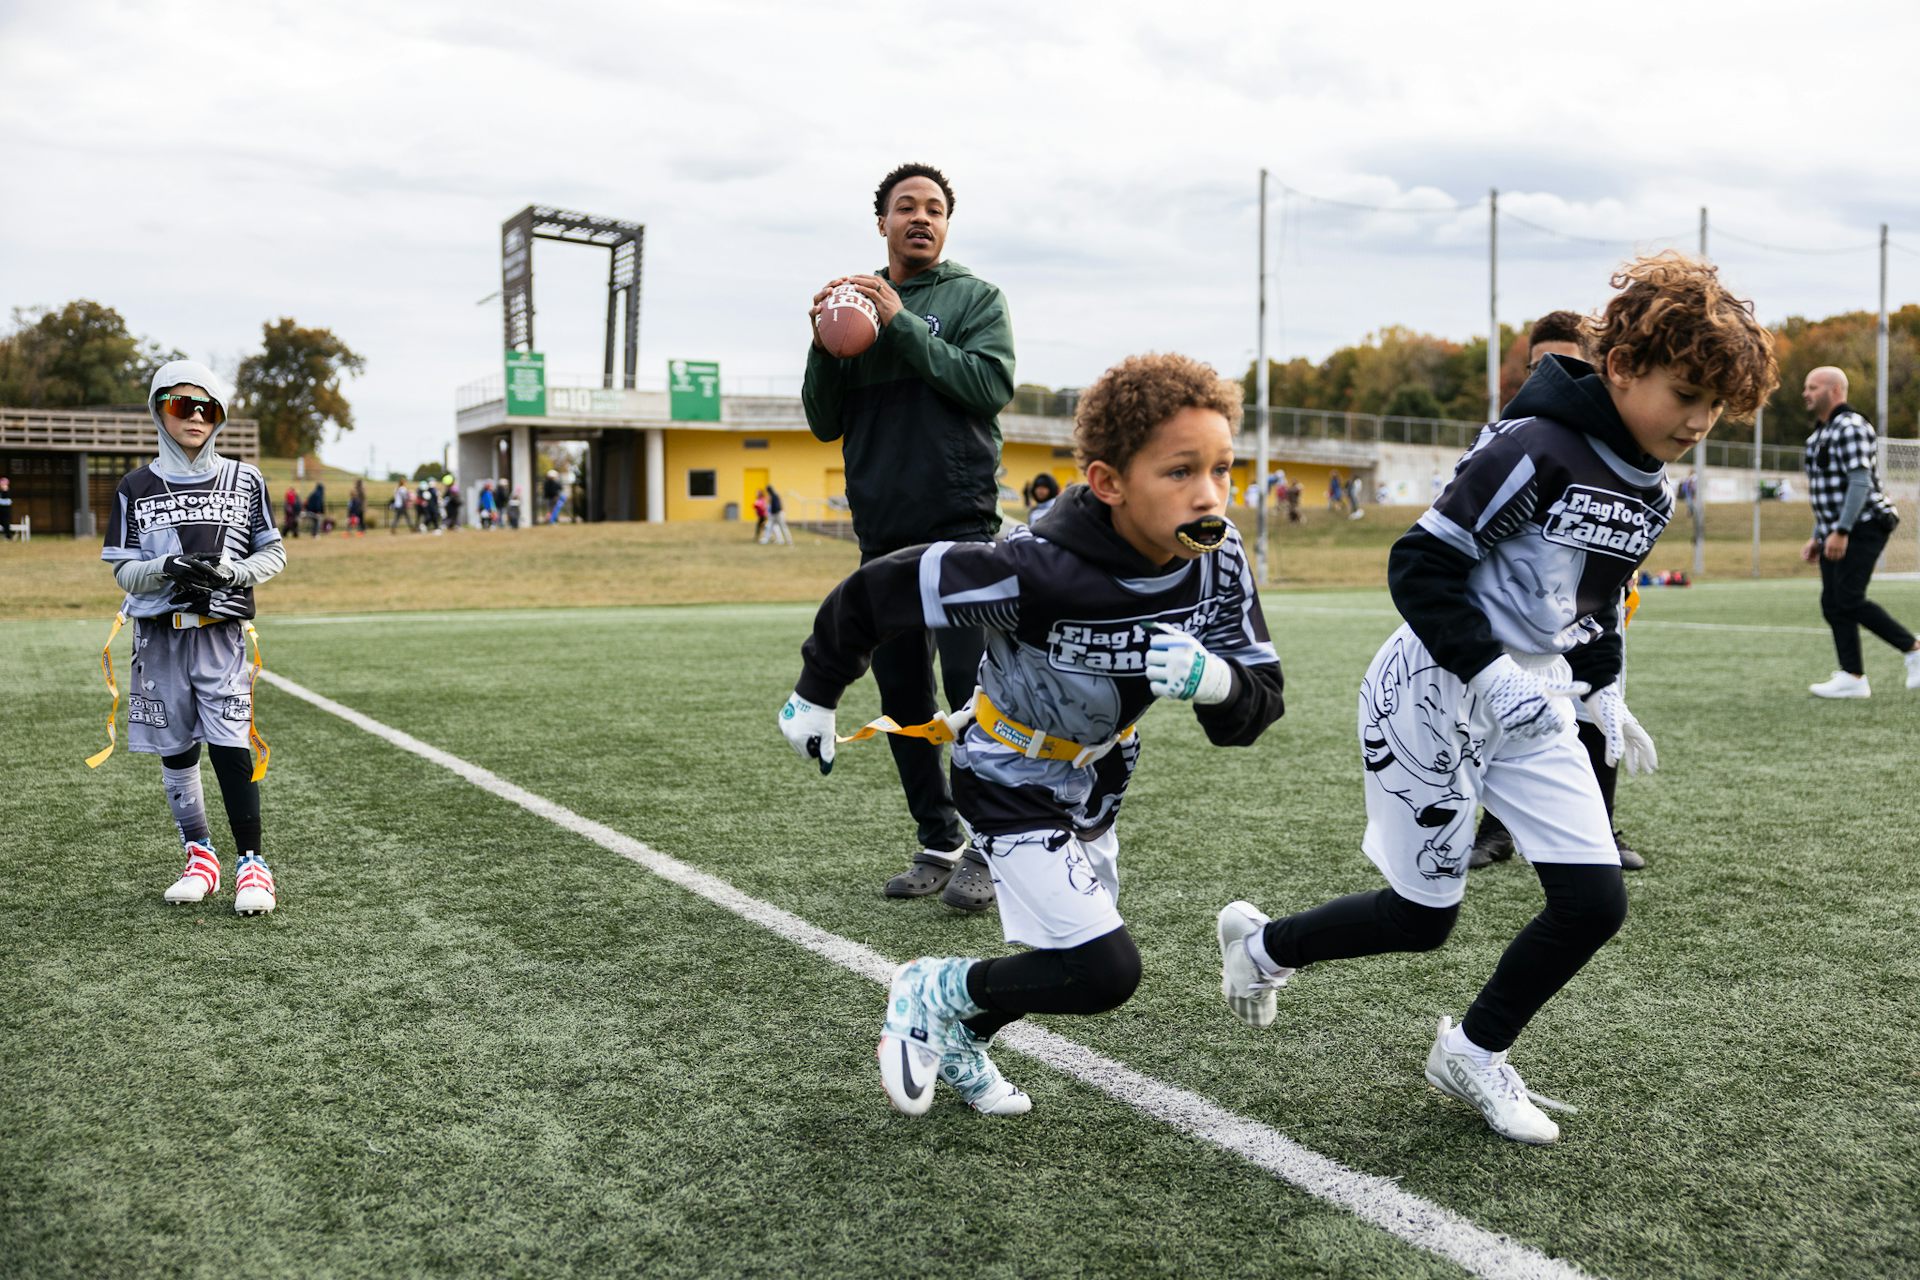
1844,442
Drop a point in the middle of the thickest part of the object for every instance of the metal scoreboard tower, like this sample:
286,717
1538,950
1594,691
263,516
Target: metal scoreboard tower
538,222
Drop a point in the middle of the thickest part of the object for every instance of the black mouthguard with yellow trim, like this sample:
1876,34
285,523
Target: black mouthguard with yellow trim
1208,533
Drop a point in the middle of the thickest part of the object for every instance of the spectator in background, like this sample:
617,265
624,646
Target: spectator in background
1852,520
400,510
454,503
290,513
6,510
514,509
357,508
430,506
1294,492
502,496
1335,491
316,513
1356,493
777,519
484,505
760,515
1042,494
553,496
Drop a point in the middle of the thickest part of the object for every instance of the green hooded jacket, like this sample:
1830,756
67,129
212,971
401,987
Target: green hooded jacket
917,414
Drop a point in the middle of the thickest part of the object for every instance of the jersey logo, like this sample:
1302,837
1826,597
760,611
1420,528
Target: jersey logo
1118,646
933,323
1600,520
205,506
148,711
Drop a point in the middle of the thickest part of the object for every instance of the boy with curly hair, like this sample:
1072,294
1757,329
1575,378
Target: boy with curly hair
1510,587
1134,587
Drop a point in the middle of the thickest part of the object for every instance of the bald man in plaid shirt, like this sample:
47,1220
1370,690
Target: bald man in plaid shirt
1852,520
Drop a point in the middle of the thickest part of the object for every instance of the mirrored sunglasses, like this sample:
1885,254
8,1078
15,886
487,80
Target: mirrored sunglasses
184,407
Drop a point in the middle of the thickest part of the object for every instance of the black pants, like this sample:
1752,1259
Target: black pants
903,669
1586,905
1844,603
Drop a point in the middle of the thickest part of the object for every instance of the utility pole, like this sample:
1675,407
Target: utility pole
1699,504
1260,383
1703,232
1493,304
1880,344
1759,416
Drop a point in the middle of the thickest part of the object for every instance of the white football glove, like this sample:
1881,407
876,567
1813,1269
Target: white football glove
1526,703
1178,666
1627,742
809,731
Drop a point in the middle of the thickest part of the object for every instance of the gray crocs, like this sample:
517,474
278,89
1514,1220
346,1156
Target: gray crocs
927,875
971,888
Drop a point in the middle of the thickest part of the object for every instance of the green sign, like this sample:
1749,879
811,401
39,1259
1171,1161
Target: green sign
693,390
526,384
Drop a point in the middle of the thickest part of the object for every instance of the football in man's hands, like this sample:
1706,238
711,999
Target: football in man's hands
848,322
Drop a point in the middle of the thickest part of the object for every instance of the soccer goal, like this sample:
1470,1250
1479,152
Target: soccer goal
1900,474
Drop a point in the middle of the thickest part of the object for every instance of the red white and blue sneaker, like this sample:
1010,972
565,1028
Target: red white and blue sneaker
201,877
924,1006
252,886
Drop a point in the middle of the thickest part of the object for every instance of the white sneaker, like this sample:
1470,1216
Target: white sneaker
201,877
966,1066
1913,669
1249,990
927,998
1496,1089
252,886
1842,684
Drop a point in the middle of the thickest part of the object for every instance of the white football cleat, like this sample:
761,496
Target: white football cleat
201,877
1248,988
966,1067
1841,684
1913,669
252,886
924,1003
1496,1090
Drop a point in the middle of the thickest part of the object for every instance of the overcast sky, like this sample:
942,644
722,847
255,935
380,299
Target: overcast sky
207,167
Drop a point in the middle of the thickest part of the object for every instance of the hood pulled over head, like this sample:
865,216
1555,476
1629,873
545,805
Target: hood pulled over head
173,460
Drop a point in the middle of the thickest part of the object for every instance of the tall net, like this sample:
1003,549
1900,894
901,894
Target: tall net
1900,474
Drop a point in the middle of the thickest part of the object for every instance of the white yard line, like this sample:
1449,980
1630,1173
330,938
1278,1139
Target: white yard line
1376,1200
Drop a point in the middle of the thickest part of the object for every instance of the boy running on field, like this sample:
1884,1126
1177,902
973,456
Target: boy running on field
1510,586
190,537
1108,602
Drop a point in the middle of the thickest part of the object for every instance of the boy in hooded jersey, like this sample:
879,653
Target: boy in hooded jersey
190,537
1510,585
1108,602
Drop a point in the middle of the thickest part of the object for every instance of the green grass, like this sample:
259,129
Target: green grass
471,1043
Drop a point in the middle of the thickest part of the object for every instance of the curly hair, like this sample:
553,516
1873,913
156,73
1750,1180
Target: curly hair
1117,415
1673,310
901,174
1558,326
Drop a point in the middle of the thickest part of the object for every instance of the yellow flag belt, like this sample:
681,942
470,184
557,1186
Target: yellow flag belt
1028,741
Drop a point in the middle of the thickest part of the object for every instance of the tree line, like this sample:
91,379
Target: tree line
82,355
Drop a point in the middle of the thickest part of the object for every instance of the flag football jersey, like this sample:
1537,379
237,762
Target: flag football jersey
222,514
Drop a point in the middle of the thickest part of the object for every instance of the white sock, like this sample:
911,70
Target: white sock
1257,952
1457,1042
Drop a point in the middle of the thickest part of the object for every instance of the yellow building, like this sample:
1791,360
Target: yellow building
642,465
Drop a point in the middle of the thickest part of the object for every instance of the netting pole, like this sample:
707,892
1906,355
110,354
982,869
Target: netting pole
1880,346
1758,416
1493,305
1260,406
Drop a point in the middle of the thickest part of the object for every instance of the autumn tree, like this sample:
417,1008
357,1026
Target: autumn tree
77,356
292,387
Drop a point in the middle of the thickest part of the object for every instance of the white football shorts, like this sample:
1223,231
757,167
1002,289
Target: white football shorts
1055,889
1432,754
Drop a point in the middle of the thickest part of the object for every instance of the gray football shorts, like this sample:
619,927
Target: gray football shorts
188,686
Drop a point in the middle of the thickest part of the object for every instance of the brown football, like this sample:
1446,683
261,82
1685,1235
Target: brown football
848,322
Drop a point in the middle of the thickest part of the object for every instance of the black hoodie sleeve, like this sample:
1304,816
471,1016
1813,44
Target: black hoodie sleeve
1428,579
943,584
1254,704
1599,661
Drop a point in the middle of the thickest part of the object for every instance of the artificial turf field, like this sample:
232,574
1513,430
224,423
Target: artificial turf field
471,1042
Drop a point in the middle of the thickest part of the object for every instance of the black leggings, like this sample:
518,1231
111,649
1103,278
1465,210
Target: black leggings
233,766
1586,905
1091,978
1844,603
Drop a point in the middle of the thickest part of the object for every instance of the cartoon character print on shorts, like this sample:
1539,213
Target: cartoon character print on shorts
1415,742
1081,877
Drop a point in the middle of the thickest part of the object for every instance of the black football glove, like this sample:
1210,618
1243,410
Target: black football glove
192,600
198,571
